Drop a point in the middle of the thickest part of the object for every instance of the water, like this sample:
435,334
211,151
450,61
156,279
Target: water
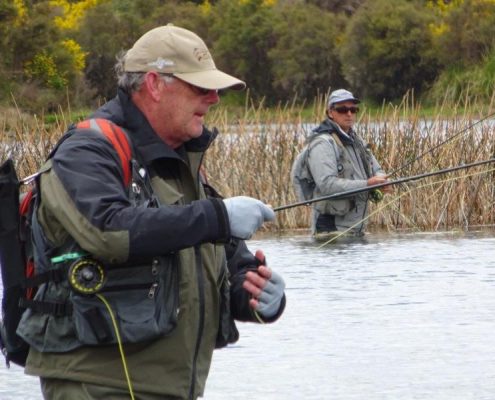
392,317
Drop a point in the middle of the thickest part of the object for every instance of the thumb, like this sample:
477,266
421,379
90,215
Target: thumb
260,256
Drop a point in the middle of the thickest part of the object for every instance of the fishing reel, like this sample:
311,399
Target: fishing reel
86,276
376,195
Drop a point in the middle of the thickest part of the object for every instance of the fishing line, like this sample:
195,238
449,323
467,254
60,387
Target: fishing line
381,208
119,341
462,131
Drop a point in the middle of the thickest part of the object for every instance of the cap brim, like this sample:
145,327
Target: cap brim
212,79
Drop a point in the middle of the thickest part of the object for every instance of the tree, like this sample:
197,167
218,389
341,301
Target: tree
43,61
388,50
304,58
242,34
466,33
348,7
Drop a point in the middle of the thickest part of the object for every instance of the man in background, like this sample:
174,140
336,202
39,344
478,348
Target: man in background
338,160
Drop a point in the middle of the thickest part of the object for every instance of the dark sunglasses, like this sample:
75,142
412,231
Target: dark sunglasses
345,110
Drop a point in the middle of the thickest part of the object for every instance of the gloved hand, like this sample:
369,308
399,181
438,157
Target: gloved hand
271,296
246,215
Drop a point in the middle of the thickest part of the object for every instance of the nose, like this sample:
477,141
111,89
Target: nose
212,97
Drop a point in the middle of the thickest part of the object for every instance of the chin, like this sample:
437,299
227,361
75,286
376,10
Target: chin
196,132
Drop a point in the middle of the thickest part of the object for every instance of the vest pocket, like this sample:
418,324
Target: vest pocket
334,207
143,300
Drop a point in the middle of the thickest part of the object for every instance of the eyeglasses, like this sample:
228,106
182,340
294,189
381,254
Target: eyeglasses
202,91
345,110
198,90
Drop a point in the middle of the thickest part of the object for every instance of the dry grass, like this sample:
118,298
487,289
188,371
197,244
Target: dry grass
253,156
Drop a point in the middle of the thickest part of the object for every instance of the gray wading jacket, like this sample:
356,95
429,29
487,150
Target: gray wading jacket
338,167
167,258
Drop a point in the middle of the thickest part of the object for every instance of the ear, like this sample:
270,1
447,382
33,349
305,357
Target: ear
153,84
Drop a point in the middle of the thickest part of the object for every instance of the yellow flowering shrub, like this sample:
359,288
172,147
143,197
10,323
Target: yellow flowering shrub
78,55
21,12
43,68
72,12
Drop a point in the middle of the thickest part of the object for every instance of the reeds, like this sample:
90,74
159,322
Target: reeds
253,156
254,151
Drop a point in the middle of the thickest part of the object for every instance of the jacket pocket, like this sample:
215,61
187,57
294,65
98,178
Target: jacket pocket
227,330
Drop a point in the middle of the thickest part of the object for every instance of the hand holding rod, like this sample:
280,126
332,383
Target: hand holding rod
394,182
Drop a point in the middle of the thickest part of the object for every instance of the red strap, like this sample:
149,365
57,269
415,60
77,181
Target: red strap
119,140
24,206
29,273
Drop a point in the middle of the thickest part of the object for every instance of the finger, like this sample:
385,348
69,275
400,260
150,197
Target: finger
256,278
253,303
252,288
264,272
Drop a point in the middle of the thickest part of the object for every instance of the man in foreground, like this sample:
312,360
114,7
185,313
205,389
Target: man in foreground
161,255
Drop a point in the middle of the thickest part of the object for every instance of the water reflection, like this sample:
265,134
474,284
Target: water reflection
389,317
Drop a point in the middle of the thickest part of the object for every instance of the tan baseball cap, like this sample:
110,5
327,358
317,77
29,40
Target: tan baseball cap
177,51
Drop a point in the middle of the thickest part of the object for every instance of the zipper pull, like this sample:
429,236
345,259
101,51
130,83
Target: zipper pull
151,293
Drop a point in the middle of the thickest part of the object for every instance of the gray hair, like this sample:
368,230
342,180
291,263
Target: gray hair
132,81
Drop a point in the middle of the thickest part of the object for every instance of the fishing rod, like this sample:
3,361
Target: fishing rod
408,163
380,185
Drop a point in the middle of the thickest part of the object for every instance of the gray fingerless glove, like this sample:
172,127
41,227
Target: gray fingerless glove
271,296
246,215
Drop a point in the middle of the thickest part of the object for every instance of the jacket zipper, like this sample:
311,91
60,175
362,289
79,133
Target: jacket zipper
201,290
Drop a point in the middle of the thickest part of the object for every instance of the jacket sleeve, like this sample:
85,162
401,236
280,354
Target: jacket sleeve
84,191
240,260
375,167
323,159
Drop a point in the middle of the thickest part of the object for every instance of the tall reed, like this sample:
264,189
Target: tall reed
255,149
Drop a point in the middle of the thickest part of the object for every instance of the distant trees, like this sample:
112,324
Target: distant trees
388,49
59,50
304,57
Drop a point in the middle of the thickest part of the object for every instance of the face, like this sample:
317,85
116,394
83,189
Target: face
181,109
345,118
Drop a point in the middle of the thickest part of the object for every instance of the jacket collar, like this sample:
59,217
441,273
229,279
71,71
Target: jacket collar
329,126
122,111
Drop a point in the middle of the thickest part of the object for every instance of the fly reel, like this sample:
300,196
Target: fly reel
86,276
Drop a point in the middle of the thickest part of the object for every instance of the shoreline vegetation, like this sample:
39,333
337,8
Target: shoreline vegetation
254,152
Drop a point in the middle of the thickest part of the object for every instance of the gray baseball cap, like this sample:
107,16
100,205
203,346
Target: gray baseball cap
177,51
340,95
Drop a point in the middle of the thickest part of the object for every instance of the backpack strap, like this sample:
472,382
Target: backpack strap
337,140
115,135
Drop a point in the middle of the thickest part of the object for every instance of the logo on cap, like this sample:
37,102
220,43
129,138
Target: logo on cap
201,54
161,63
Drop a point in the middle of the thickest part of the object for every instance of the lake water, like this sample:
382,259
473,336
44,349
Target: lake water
391,317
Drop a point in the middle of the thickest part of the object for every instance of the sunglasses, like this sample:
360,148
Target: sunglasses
345,110
202,91
198,90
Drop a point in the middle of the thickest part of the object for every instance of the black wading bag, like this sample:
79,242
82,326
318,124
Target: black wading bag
15,261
